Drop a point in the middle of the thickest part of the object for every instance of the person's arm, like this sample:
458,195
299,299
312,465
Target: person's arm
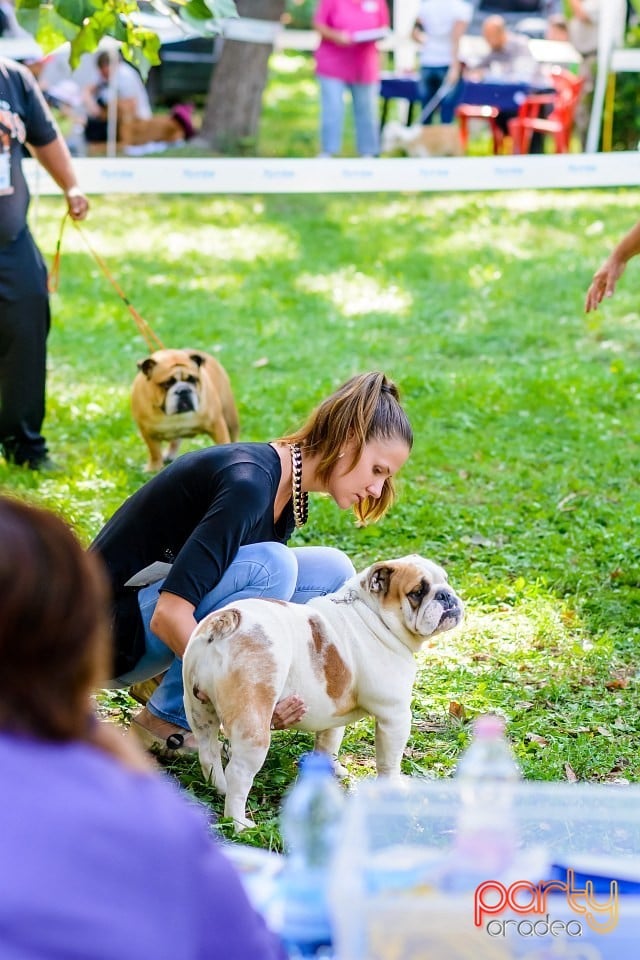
605,279
578,11
458,31
326,31
56,160
120,745
339,37
418,33
173,622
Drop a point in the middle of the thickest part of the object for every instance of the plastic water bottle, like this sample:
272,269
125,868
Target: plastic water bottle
486,839
310,820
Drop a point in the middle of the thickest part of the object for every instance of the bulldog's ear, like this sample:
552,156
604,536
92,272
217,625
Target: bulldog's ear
379,579
197,358
146,366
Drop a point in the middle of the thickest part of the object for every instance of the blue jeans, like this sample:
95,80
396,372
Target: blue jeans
431,79
365,115
270,570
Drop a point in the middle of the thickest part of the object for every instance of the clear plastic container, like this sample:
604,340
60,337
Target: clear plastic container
388,902
310,821
486,833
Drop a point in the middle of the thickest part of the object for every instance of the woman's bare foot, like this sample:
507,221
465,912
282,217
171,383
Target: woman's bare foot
287,712
162,729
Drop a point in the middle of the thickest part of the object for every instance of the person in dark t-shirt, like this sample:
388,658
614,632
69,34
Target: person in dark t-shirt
213,526
24,302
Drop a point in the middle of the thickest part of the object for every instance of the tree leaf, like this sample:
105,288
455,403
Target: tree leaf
457,711
76,11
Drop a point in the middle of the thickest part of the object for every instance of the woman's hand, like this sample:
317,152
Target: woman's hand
604,282
287,712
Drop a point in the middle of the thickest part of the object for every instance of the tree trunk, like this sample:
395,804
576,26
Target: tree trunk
234,102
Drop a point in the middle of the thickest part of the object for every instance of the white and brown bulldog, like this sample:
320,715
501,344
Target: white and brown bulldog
347,655
180,393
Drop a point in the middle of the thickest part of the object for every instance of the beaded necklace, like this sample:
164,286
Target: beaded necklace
300,500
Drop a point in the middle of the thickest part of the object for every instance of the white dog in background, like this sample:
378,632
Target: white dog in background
434,140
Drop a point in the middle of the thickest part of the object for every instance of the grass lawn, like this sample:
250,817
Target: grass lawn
524,477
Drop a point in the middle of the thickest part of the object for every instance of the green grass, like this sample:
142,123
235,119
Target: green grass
524,477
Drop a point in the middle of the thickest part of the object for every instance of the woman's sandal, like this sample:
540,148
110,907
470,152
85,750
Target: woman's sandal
170,747
143,690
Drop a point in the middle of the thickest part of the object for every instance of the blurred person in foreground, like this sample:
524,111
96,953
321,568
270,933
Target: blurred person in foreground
606,277
347,59
25,318
101,857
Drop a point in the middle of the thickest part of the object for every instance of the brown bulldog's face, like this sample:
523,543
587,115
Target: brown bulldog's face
174,376
414,594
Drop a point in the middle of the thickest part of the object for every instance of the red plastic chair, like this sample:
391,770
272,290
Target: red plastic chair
558,123
467,111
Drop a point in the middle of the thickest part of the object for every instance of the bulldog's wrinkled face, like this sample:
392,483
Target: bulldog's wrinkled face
175,374
414,594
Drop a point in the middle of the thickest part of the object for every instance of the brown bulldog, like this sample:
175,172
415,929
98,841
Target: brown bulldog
180,393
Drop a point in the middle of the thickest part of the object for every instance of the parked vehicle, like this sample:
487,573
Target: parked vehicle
185,69
521,16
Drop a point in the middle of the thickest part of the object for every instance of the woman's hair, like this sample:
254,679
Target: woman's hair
54,633
365,408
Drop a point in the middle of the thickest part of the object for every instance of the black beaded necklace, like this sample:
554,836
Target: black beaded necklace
300,500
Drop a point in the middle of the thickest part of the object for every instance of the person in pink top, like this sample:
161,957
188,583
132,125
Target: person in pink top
347,59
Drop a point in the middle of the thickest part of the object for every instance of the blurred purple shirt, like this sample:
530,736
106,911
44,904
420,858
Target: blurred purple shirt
98,862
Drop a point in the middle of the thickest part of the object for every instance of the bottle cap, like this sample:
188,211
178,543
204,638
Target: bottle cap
315,762
489,725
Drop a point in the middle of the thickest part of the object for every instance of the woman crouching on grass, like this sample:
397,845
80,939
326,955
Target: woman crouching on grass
101,856
222,517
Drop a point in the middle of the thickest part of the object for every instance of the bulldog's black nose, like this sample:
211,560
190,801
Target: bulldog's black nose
446,599
184,400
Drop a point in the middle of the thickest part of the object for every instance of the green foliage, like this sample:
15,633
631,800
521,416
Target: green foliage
86,22
299,13
626,118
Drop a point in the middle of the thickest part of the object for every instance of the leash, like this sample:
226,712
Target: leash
152,341
433,104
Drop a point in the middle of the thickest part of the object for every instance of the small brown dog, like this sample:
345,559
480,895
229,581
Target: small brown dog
161,128
434,140
181,393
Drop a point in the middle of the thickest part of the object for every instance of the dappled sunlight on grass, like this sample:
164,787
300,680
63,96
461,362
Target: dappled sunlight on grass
243,243
355,294
523,480
289,63
278,93
530,636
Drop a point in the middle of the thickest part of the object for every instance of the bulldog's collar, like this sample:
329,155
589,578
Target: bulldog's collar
349,597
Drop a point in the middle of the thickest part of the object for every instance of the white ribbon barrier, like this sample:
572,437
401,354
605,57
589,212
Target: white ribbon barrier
248,175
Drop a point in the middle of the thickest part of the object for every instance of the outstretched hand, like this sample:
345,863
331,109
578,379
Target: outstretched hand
287,712
604,282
